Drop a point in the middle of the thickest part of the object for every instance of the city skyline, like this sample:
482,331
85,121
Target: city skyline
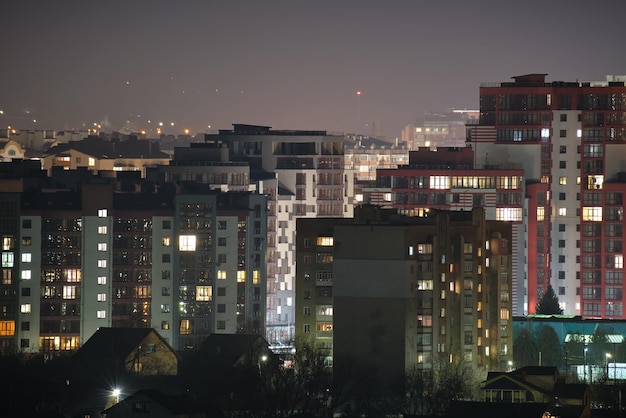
201,66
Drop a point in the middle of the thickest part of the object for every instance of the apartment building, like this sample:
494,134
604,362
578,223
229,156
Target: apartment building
452,179
188,263
396,292
303,174
570,140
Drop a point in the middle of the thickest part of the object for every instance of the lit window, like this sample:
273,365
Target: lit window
508,214
563,180
504,313
102,263
221,275
410,250
166,241
187,243
545,132
7,243
102,213
439,182
7,259
27,257
26,274
25,308
540,213
256,277
358,197
618,261
387,197
102,297
92,161
185,327
241,276
424,248
7,328
593,214
102,246
102,280
562,211
101,314
102,230
204,293
325,241
72,275
69,292
579,133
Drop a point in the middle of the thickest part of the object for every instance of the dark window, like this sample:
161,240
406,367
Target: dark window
165,258
26,223
562,164
563,133
167,224
561,196
221,291
562,149
24,343
561,227
561,275
221,308
561,259
26,291
563,117
25,326
561,243
561,290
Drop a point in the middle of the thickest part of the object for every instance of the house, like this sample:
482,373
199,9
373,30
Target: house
136,351
155,404
539,385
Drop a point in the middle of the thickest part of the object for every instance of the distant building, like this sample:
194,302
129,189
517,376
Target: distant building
445,129
396,292
187,262
303,173
451,179
570,140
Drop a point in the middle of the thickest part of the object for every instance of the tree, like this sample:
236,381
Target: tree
549,303
524,348
549,346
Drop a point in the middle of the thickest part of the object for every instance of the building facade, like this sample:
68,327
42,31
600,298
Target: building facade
303,174
570,139
398,292
187,262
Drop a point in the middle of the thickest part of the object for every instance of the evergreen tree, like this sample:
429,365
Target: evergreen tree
549,303
549,346
524,348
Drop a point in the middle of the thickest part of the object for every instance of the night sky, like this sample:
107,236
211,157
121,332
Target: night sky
287,64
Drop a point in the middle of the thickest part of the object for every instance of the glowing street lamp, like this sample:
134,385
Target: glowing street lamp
116,394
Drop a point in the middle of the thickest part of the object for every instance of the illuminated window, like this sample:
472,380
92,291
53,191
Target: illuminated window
577,180
27,257
562,211
185,327
410,250
26,274
7,328
540,213
7,276
25,308
387,197
69,292
424,248
256,277
102,297
563,180
439,182
91,162
7,243
102,230
204,293
358,197
593,214
241,276
101,314
424,285
72,275
221,275
166,241
102,280
187,243
504,313
102,213
7,259
102,263
325,241
618,261
509,214
102,246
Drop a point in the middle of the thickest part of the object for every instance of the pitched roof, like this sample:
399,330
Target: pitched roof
226,350
113,343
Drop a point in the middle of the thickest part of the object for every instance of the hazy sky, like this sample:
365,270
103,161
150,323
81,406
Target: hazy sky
286,64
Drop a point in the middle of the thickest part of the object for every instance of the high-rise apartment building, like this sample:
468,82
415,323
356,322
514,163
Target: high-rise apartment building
393,293
451,179
303,174
187,262
570,140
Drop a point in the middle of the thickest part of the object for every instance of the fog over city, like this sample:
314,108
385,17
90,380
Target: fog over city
201,66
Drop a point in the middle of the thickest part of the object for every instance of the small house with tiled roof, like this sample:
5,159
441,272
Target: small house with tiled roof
138,351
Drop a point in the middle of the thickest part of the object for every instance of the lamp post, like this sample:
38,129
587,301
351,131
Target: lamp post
585,364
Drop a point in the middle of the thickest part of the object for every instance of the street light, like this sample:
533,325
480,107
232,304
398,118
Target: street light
116,394
585,365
